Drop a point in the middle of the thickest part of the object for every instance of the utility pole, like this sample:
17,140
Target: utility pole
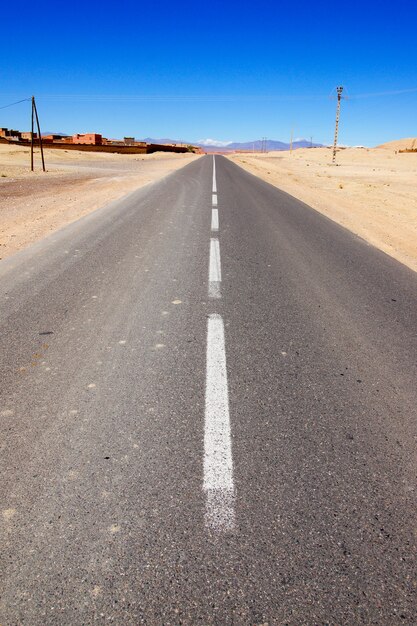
311,142
35,114
339,91
31,139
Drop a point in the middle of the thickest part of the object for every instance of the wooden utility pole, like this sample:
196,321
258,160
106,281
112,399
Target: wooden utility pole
39,132
35,114
336,130
31,139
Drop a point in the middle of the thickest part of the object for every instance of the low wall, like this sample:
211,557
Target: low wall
87,147
84,147
156,147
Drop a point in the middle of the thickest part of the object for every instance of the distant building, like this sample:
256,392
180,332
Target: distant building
8,133
26,136
129,141
53,137
114,142
88,138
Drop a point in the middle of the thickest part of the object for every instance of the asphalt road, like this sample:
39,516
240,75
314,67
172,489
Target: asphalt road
208,415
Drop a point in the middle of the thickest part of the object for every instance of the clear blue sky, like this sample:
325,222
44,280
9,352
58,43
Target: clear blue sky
229,71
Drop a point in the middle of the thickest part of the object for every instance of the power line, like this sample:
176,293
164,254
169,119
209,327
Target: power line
213,98
378,94
13,103
207,98
177,98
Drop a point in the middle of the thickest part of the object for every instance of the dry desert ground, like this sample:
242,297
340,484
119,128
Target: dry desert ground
33,205
372,192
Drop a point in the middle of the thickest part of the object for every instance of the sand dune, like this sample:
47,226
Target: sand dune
400,144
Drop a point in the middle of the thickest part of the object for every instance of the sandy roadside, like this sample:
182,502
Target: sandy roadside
373,192
33,205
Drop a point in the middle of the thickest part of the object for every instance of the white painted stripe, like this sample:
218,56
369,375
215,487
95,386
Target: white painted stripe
215,263
214,175
218,462
214,290
214,219
215,272
214,199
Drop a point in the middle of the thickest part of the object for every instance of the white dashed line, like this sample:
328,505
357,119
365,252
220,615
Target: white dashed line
214,199
214,175
214,219
215,272
218,462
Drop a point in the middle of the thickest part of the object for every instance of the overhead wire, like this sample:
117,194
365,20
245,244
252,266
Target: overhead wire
218,97
13,103
201,98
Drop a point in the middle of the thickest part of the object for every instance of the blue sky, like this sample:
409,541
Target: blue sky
229,71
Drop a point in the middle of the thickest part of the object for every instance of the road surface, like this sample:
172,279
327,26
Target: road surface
208,415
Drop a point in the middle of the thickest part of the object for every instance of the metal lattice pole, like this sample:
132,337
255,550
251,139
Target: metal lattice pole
336,130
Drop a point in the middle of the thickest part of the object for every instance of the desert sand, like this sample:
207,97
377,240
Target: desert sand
372,192
34,204
400,144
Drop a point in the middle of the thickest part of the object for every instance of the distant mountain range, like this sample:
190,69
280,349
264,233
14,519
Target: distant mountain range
53,132
163,140
210,145
256,145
